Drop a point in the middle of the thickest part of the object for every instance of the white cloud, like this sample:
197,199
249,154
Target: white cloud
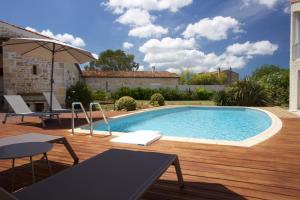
167,45
31,29
178,28
287,9
174,70
127,45
257,48
267,3
141,24
118,6
66,37
141,68
95,55
135,17
216,28
177,54
149,30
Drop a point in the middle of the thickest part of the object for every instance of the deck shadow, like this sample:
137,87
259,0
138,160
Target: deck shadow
23,175
51,124
164,189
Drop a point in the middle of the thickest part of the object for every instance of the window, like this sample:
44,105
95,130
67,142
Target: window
34,69
1,59
297,28
296,33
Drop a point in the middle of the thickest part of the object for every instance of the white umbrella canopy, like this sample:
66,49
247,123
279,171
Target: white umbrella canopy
50,50
43,49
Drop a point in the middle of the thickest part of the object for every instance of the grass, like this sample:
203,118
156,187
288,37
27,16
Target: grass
145,103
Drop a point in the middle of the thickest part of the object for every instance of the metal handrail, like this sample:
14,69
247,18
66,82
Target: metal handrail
73,112
103,115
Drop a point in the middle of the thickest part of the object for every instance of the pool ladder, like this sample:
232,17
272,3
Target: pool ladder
89,118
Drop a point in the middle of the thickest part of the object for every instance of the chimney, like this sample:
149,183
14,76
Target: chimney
153,69
230,75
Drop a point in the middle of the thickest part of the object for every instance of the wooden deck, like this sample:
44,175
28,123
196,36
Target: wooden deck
270,170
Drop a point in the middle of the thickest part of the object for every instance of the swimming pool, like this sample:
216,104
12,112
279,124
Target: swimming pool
233,124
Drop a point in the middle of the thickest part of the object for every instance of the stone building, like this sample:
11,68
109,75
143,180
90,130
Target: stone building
110,81
30,76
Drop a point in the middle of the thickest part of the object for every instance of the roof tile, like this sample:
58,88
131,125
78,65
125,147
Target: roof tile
128,74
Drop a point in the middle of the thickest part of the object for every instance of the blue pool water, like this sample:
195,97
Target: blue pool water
234,124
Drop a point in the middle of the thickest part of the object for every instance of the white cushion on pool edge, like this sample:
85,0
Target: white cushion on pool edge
141,137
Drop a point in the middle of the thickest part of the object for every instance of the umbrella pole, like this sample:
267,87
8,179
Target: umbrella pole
51,80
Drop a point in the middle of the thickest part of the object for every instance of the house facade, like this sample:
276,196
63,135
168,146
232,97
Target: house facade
110,81
30,77
295,56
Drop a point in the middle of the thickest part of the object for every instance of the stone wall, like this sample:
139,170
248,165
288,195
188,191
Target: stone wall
18,76
112,84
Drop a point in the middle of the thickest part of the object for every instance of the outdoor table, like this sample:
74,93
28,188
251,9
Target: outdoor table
22,150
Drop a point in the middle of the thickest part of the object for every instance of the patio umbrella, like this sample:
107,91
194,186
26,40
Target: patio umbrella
50,50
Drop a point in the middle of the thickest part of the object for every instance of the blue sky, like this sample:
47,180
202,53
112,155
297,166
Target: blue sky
172,35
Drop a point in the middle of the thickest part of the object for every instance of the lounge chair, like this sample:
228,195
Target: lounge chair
37,137
20,108
113,175
56,107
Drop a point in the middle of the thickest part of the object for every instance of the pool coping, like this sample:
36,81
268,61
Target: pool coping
249,142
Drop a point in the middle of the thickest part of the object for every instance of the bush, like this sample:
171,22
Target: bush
276,82
121,92
202,94
79,92
99,95
221,98
127,103
246,92
157,100
171,94
208,79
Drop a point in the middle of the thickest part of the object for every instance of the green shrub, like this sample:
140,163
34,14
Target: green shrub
221,98
127,103
171,94
202,94
121,92
79,92
276,82
246,92
157,99
99,95
208,79
277,86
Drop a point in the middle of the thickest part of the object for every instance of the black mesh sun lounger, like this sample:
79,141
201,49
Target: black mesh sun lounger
113,175
37,137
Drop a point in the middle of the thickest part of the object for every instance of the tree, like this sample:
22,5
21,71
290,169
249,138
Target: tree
276,82
208,79
265,70
117,60
186,77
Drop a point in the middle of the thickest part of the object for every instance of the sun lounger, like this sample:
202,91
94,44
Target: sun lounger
4,195
20,108
113,175
56,107
37,137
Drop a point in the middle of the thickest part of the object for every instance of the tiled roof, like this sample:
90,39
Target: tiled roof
128,74
295,1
